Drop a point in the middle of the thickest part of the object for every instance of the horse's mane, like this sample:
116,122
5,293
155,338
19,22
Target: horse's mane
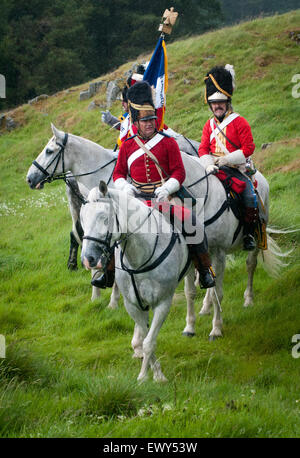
140,209
86,140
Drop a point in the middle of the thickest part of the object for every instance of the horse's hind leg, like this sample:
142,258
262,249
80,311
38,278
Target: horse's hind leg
190,294
251,264
217,296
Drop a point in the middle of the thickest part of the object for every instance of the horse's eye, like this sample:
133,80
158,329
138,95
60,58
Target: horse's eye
49,151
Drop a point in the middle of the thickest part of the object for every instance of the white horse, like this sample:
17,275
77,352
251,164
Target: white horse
150,261
223,230
102,160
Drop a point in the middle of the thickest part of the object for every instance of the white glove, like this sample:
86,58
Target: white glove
106,116
130,189
122,185
235,158
223,160
212,168
109,119
206,160
161,194
171,186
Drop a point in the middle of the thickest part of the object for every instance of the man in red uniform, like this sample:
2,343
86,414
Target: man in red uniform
227,142
159,172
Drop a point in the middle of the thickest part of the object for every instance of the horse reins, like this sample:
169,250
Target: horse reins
60,155
64,175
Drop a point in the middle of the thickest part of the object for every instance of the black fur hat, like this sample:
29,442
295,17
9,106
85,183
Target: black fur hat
219,83
140,98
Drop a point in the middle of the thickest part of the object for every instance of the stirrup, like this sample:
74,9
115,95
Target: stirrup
249,242
105,281
207,278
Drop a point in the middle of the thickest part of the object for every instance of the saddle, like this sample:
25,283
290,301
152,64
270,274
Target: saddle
234,186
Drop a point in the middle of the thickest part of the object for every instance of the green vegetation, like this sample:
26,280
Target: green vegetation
46,47
68,370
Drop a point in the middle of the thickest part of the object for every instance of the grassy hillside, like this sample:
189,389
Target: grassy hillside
68,370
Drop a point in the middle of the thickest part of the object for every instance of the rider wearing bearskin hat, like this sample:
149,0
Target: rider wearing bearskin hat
227,142
154,163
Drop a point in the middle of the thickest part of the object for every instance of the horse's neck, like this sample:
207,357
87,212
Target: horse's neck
141,240
209,189
84,156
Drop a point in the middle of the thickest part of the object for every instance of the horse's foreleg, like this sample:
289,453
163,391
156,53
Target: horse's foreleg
114,297
251,264
217,296
76,234
190,294
140,319
137,341
96,292
72,261
160,313
207,303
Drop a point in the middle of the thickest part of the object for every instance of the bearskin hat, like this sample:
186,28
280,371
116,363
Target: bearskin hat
140,99
219,83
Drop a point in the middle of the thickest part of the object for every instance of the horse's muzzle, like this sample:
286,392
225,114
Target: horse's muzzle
34,184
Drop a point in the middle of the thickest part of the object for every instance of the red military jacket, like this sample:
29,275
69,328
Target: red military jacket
142,169
238,131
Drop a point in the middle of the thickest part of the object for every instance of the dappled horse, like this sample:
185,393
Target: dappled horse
150,256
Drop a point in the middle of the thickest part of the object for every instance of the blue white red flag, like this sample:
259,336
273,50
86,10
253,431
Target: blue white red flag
157,76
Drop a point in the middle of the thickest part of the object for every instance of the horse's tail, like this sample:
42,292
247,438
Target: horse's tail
274,259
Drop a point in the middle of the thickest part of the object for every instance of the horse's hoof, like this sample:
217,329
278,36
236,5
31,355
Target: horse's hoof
72,267
138,355
212,338
160,378
204,312
188,334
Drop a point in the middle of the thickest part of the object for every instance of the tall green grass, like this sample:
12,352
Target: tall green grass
68,370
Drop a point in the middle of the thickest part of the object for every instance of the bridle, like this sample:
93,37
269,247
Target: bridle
59,155
105,245
107,251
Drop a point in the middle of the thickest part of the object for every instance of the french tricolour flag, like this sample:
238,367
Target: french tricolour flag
157,76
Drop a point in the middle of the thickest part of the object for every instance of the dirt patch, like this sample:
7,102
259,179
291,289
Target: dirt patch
261,156
292,166
67,121
264,61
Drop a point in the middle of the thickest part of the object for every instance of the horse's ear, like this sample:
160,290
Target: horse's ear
58,134
103,187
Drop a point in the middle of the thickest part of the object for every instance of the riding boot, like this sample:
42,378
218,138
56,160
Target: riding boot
106,280
250,221
203,265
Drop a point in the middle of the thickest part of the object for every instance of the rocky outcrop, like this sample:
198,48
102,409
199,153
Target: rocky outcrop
91,91
38,98
7,122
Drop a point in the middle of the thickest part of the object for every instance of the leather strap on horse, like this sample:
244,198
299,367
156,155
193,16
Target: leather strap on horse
218,214
152,266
